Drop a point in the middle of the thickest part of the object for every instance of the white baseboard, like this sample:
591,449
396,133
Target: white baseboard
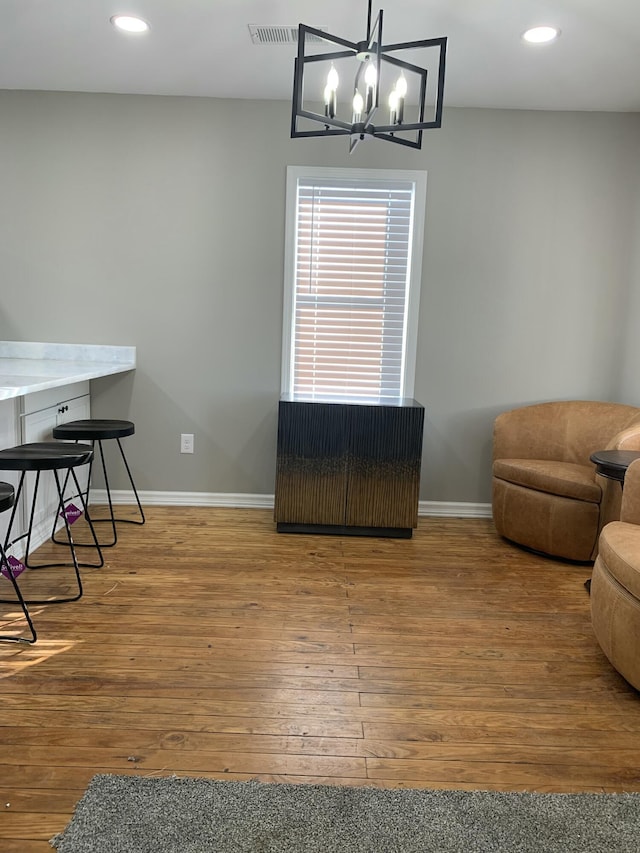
454,509
442,509
219,499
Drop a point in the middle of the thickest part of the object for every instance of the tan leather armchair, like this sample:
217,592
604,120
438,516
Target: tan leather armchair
615,584
546,494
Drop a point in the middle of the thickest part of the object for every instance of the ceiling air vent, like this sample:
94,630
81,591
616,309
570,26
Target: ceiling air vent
278,35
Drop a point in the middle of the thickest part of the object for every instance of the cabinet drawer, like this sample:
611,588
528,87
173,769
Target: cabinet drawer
52,396
311,471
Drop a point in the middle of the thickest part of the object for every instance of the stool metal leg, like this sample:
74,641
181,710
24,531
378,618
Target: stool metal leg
8,638
70,543
84,498
111,519
135,491
28,535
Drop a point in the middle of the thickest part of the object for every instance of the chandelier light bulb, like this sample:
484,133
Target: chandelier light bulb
370,75
330,97
332,79
400,91
393,107
329,101
358,106
370,78
393,100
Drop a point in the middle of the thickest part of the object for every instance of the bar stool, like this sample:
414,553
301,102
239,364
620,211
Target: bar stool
7,499
99,430
51,456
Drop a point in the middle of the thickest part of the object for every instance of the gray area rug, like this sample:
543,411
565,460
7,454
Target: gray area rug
129,814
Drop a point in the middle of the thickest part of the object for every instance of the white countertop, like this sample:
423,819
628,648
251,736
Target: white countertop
26,367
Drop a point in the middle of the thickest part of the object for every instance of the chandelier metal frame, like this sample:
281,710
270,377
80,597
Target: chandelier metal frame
370,50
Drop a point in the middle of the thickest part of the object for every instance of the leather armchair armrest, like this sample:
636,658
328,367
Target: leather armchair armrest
627,439
630,511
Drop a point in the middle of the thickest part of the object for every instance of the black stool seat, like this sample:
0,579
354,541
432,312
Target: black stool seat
7,496
94,429
44,456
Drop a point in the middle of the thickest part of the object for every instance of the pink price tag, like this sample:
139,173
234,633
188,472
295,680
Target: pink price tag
72,513
16,567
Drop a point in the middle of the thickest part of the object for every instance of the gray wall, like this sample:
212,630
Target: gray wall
159,222
629,387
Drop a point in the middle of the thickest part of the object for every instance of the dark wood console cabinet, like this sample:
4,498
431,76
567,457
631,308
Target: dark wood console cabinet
348,468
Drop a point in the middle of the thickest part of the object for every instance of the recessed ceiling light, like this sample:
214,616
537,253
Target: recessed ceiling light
129,24
541,35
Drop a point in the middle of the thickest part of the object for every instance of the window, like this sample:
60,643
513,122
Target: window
353,256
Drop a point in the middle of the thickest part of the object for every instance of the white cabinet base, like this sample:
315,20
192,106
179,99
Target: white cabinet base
9,437
37,425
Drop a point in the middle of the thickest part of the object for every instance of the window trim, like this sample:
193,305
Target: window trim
419,180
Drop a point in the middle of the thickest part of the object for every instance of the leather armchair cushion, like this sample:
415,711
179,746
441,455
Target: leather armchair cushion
620,553
615,617
564,479
615,584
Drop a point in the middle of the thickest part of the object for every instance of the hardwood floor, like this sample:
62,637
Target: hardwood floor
210,645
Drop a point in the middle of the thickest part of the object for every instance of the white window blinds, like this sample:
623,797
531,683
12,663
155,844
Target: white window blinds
352,265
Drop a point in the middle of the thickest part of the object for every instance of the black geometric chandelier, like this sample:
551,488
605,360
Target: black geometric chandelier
383,85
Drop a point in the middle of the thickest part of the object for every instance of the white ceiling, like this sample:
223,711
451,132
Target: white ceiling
203,47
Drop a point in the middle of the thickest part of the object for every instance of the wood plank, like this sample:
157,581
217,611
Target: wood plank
194,762
556,777
27,845
183,719
87,648
404,709
171,739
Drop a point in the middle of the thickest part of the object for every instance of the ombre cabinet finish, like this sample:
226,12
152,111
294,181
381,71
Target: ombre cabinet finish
348,468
